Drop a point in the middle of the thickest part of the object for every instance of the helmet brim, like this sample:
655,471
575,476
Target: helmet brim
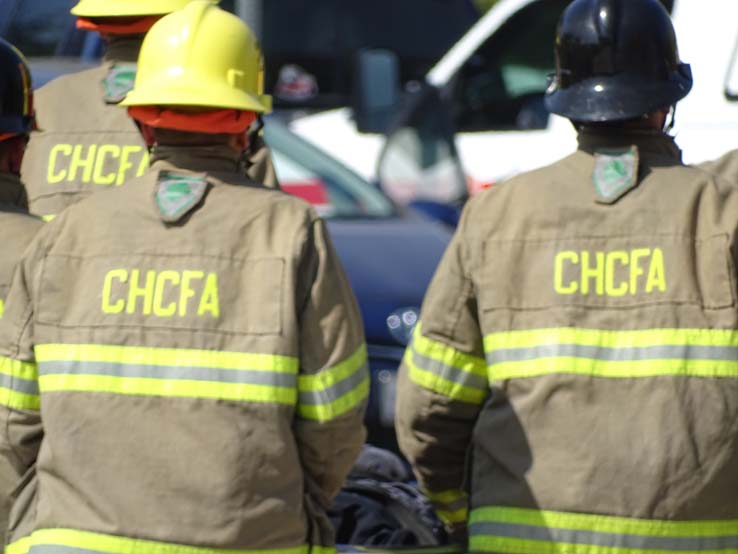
191,90
618,97
91,9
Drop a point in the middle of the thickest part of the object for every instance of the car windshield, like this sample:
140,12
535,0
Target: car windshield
311,174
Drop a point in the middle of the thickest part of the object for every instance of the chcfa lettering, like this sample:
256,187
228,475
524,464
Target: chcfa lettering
98,164
166,293
616,273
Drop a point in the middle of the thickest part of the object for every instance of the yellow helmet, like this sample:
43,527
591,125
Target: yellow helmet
127,8
200,56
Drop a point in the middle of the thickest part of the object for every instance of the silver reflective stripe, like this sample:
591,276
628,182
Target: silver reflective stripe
609,540
607,354
449,373
173,373
51,549
16,384
331,394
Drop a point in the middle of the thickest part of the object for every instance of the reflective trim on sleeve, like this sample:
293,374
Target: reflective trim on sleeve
70,541
613,354
2,307
19,384
451,506
445,370
514,530
20,546
335,390
167,372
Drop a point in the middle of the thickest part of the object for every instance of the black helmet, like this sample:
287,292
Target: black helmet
16,94
616,60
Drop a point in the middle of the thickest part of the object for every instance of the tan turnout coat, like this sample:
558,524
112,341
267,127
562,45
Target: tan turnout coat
17,228
188,369
573,383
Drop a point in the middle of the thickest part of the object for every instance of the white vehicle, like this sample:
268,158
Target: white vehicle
488,90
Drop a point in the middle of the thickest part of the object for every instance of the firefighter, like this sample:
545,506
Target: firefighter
85,142
18,227
191,337
572,385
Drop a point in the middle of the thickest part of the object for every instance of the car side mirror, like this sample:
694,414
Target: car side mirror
376,91
419,161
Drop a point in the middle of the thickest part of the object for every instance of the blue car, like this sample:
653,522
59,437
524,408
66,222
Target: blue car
389,255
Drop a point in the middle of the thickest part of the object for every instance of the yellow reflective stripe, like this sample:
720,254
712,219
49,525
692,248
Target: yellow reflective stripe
16,368
616,354
604,523
139,355
447,497
451,506
99,542
447,355
2,307
18,400
168,387
610,339
438,384
508,545
329,377
450,518
20,546
48,217
334,390
622,370
19,384
167,372
502,529
332,410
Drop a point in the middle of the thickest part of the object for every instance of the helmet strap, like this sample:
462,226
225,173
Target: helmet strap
252,134
672,119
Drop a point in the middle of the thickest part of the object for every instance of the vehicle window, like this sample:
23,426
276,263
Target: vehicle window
310,47
501,87
37,28
307,172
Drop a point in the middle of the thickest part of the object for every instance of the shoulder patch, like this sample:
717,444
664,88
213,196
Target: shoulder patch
177,194
615,173
119,82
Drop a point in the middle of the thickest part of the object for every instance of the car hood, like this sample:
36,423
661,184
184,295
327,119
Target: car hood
389,263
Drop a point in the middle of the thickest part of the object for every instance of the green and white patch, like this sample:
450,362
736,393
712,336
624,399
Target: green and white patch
176,195
119,82
615,174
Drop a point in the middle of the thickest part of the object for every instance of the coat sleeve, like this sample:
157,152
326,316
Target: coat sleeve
333,384
443,385
20,417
